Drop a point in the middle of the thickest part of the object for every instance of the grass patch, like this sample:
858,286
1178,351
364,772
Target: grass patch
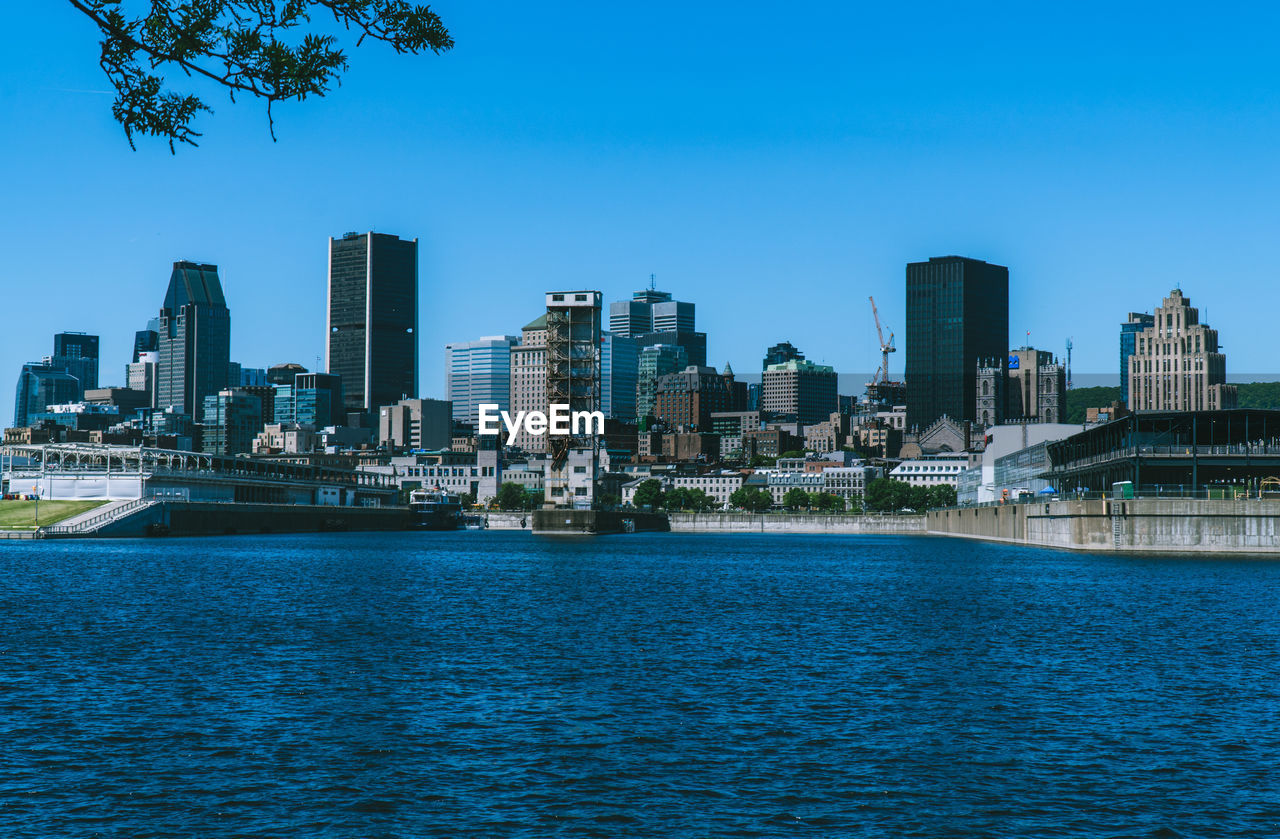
21,515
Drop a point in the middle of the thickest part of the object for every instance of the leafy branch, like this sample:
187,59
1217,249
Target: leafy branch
239,44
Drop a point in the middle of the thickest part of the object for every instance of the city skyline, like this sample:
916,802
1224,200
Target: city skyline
1102,179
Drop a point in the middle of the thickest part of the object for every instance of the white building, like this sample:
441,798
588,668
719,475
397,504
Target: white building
932,470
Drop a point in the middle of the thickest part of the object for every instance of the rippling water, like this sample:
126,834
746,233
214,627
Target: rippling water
490,684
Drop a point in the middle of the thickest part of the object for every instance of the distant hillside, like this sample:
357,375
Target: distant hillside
1260,395
1080,398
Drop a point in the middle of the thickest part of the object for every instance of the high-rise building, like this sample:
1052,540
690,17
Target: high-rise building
781,354
653,317
141,375
687,399
957,315
479,372
41,385
655,362
1135,323
147,340
230,420
314,399
372,338
801,389
77,353
619,369
195,339
529,380
1176,363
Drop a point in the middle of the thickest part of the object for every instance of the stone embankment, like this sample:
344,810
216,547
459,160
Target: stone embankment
793,523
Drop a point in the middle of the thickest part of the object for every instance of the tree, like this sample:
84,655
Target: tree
752,499
510,496
942,495
763,460
649,494
885,495
467,500
792,454
795,498
259,48
826,502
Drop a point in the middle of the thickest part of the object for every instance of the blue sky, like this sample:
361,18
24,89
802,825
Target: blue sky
774,164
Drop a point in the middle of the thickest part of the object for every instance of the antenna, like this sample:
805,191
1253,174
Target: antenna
653,282
1068,364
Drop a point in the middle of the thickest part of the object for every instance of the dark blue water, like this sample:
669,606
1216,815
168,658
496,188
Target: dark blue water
488,684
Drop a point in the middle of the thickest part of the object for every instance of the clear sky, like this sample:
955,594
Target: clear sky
773,163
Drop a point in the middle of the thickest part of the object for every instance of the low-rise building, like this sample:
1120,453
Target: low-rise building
931,470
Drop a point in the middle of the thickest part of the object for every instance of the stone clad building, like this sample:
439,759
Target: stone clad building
1176,364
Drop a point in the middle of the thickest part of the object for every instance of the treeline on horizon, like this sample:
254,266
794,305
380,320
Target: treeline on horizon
1252,395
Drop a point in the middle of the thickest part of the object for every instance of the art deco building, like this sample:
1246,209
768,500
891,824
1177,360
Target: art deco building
529,380
1176,364
372,341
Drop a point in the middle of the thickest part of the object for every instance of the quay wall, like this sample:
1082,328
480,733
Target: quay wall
208,518
793,523
1135,525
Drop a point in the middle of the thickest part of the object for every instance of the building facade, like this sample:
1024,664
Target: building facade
479,372
372,337
77,353
529,380
41,385
687,399
957,315
419,424
195,339
801,389
1135,323
230,422
619,372
1176,364
655,362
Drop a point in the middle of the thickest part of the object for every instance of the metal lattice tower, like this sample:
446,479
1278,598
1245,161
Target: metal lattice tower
573,375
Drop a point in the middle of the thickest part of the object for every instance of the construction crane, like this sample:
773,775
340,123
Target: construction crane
882,375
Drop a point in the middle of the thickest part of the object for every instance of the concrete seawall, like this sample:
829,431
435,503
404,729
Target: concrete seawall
792,523
1136,525
197,518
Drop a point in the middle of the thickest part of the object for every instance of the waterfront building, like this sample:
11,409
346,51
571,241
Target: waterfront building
781,354
957,315
573,380
77,353
655,362
479,372
800,388
1176,364
931,470
230,421
41,385
529,380
619,374
980,483
418,424
195,339
372,332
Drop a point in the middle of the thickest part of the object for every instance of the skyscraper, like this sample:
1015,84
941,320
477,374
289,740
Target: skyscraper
77,353
479,372
1177,364
619,367
195,339
41,385
801,389
653,317
957,315
372,338
146,340
654,363
781,354
529,380
1137,322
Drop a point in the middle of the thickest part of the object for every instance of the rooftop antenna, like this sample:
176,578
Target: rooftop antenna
653,282
1068,364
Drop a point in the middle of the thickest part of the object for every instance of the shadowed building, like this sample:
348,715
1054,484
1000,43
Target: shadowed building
957,315
372,340
195,339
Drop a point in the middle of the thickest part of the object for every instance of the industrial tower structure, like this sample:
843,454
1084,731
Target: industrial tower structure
573,379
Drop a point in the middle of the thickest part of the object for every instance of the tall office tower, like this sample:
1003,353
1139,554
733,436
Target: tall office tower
693,343
141,375
372,339
77,353
1136,322
147,340
652,317
619,368
479,372
195,339
41,385
801,389
957,315
573,380
781,354
1176,364
655,362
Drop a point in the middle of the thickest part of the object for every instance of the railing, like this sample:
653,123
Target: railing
96,522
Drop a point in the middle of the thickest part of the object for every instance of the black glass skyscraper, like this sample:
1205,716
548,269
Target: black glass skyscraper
373,318
195,339
957,314
77,353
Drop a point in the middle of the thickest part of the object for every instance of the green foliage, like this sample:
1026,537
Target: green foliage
1080,398
649,494
764,460
795,499
533,499
751,499
467,500
826,502
885,495
941,495
1260,395
792,453
695,500
511,496
266,50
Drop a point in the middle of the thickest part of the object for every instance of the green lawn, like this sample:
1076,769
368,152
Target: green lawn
21,515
